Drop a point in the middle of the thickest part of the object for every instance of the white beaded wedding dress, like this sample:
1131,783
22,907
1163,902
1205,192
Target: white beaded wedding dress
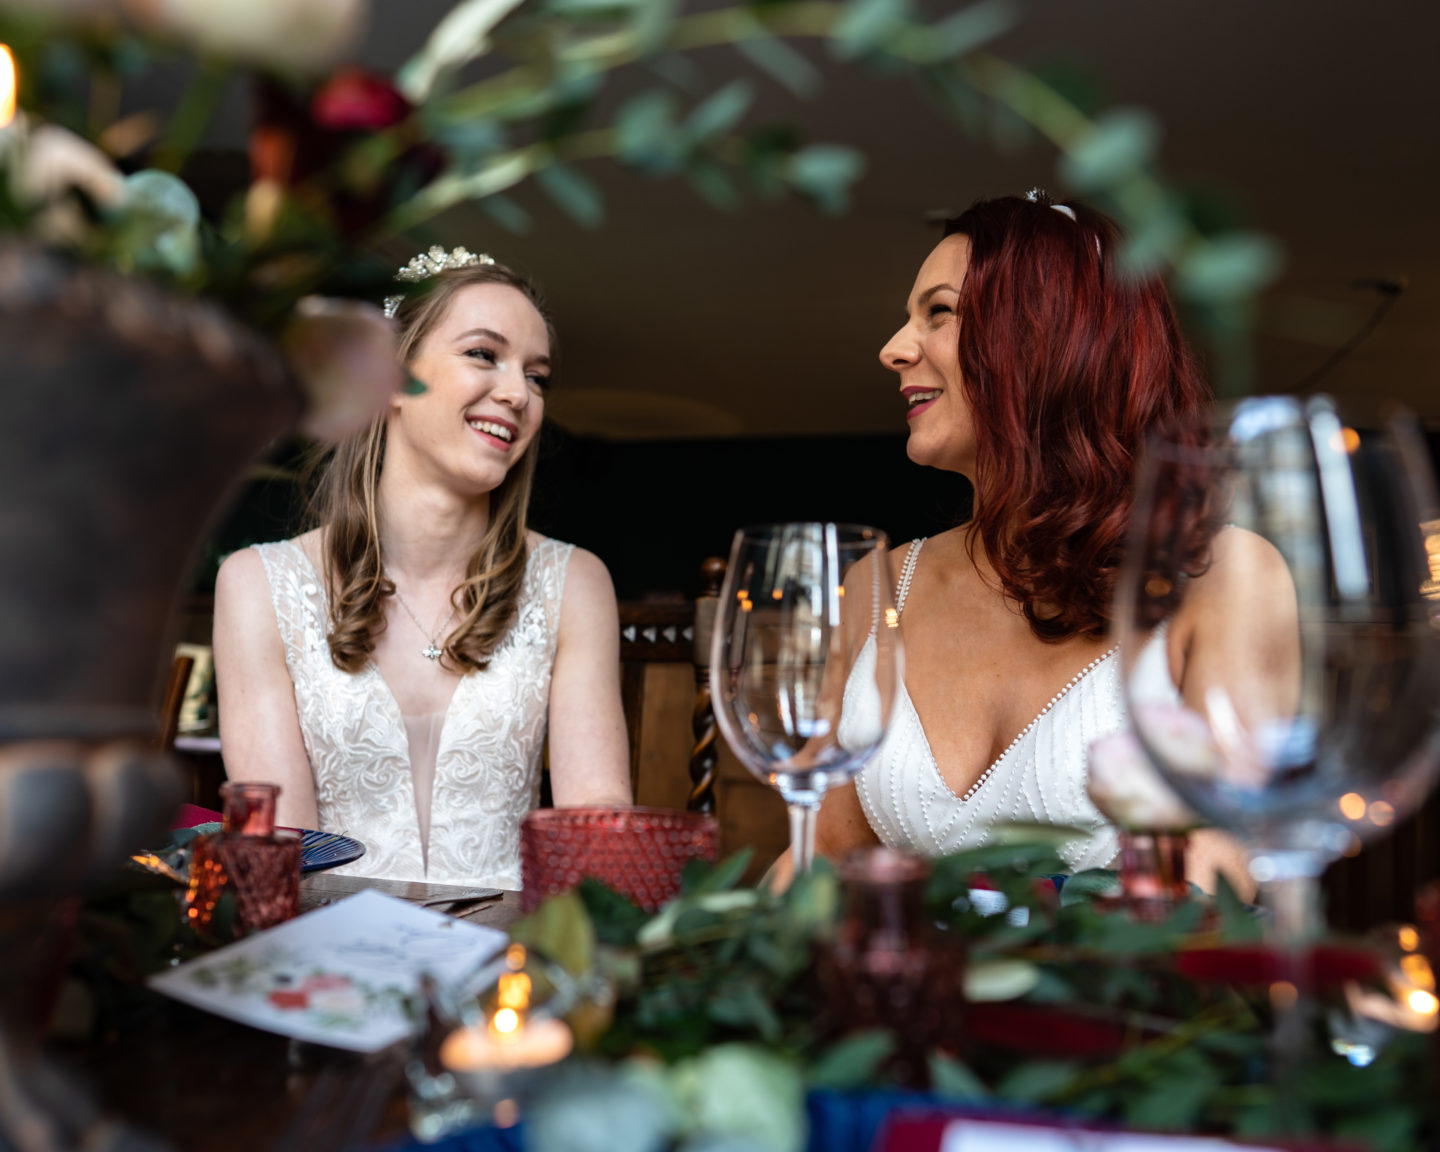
1040,777
436,797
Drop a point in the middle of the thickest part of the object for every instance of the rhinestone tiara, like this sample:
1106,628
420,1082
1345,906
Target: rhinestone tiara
429,263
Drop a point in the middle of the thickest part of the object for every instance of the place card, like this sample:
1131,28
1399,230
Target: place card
341,975
937,1132
994,1136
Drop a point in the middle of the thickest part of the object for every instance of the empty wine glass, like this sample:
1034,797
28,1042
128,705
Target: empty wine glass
1287,560
1312,715
806,660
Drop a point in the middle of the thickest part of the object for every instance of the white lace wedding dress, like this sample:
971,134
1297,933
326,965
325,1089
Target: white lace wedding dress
1040,777
453,816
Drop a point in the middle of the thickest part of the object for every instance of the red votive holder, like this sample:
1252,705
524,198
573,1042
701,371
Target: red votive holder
639,852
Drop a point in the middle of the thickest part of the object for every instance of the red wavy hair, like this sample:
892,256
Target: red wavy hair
1068,363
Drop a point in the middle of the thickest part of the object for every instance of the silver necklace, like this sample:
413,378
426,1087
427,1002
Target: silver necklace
433,651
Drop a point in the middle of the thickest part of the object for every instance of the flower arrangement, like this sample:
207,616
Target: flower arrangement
344,163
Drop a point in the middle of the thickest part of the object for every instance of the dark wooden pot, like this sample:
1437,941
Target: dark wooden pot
128,416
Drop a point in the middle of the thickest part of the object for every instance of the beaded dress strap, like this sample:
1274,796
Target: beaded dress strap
907,572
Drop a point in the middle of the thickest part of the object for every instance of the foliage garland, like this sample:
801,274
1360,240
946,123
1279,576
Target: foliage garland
1108,1023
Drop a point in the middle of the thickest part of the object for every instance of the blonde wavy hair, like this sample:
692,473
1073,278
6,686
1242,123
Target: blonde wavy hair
344,506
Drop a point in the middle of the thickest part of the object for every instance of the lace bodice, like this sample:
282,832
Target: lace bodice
487,762
1040,777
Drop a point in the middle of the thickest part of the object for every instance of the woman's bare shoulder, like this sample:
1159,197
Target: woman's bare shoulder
1243,563
1247,580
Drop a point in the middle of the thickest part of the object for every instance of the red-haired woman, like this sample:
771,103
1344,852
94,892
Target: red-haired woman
1032,366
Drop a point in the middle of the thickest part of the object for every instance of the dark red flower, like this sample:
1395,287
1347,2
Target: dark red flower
304,142
354,100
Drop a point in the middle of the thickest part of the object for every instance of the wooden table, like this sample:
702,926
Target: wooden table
198,1081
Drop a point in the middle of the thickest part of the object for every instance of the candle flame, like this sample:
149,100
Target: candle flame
506,1021
1423,1003
9,85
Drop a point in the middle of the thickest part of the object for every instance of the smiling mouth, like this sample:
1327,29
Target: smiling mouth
491,428
916,398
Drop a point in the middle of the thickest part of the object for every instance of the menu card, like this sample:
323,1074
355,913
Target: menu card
340,975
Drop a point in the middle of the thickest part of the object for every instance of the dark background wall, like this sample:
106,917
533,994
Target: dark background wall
654,510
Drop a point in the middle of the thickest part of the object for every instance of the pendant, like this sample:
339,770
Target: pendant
432,652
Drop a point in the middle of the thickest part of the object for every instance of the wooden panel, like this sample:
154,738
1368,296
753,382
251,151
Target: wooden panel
750,812
662,753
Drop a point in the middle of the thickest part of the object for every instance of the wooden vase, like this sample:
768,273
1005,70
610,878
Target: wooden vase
129,415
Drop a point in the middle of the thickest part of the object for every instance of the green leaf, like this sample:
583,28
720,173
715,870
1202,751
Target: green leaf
852,1061
651,24
1173,1102
1037,1081
158,222
1229,267
866,25
951,1079
460,37
560,930
720,112
700,877
780,61
645,132
467,138
824,172
746,1093
507,213
616,920
574,193
957,96
1391,1129
1118,143
1154,239
1237,919
1085,887
992,980
741,1005
812,900
968,29
713,183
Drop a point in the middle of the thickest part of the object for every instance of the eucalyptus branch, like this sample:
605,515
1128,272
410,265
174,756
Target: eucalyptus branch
192,118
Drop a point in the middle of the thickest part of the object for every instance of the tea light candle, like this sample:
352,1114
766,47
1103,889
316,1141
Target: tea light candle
532,1043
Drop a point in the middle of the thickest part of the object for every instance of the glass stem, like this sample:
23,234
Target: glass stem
802,833
1293,900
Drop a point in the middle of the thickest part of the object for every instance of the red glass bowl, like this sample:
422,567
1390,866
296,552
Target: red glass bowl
639,852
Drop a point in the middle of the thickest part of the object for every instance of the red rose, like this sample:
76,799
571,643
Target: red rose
354,100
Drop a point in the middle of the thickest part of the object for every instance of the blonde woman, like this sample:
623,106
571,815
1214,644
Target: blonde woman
398,668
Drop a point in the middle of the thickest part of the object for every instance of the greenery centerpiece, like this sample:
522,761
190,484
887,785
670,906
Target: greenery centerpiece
342,161
704,1020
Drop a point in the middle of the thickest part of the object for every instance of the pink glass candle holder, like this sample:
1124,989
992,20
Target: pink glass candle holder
639,852
1152,872
248,858
888,968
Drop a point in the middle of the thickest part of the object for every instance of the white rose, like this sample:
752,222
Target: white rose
347,359
45,163
300,36
53,160
1124,785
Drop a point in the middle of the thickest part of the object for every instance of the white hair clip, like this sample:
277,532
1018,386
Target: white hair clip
428,264
1064,209
1034,197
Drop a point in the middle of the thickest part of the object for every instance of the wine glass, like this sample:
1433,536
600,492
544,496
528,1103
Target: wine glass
1289,556
806,660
